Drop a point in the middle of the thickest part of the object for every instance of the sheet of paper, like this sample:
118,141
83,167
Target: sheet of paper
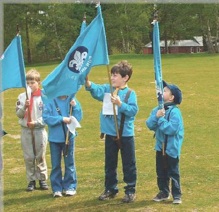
73,125
108,105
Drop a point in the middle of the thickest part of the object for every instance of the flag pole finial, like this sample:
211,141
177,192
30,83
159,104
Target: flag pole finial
155,14
84,18
18,31
97,3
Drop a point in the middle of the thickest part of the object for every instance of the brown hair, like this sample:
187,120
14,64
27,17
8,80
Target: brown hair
123,68
33,74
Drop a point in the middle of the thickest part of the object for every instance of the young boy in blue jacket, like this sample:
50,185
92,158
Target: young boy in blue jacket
56,115
168,126
120,75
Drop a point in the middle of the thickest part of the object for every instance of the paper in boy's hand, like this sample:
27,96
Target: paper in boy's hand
73,125
108,105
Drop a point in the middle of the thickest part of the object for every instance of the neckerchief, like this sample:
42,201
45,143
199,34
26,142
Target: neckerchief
30,108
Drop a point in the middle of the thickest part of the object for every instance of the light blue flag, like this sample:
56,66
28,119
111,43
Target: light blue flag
157,64
90,49
12,66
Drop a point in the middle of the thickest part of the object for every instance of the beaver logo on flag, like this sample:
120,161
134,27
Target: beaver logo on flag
77,58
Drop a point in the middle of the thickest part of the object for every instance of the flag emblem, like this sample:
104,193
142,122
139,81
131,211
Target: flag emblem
77,58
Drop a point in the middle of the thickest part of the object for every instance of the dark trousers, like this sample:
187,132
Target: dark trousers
168,168
128,163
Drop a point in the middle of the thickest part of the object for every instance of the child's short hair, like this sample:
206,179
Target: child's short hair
123,68
33,74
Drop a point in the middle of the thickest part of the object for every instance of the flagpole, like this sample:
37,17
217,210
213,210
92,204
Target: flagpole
114,108
157,65
67,136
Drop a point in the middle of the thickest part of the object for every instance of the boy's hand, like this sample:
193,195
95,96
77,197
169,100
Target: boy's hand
87,82
160,113
116,100
66,120
73,102
27,103
31,124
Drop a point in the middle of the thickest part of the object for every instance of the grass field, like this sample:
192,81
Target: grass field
197,75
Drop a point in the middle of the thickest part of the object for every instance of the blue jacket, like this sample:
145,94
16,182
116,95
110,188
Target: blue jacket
173,129
54,121
130,109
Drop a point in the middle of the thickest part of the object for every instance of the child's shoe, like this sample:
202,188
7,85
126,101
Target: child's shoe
177,201
43,185
161,196
107,195
70,192
31,186
128,198
57,194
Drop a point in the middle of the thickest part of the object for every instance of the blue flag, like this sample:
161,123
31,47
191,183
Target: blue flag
90,49
12,66
157,64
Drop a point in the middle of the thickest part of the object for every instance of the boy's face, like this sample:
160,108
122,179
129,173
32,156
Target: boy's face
118,81
34,85
167,95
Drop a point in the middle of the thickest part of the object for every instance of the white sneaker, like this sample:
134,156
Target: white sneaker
177,201
57,194
70,192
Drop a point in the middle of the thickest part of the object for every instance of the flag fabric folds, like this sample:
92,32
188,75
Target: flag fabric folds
12,66
89,49
157,64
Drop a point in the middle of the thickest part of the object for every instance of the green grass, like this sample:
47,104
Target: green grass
197,75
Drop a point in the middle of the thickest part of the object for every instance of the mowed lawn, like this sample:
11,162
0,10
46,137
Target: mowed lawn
197,75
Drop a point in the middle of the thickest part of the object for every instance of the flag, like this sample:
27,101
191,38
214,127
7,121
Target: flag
89,49
12,66
157,64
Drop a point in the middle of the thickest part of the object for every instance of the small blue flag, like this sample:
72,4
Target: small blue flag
12,66
90,49
157,64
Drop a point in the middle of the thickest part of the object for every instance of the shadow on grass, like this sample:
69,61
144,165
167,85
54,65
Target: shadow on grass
18,196
108,205
21,200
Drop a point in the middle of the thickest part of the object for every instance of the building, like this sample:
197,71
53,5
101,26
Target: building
178,46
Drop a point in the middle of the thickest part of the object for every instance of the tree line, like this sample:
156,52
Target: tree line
49,30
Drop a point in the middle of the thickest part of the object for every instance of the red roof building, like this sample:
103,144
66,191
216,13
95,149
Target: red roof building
178,46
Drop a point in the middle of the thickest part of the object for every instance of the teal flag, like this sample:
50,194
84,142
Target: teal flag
90,49
12,66
157,64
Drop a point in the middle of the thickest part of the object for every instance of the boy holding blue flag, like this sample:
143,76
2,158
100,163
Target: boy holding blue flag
168,126
33,133
126,103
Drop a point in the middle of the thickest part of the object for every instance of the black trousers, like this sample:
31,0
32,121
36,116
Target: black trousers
167,169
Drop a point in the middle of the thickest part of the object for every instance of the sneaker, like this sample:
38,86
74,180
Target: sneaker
43,185
161,196
177,201
57,194
70,192
31,186
107,195
128,198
